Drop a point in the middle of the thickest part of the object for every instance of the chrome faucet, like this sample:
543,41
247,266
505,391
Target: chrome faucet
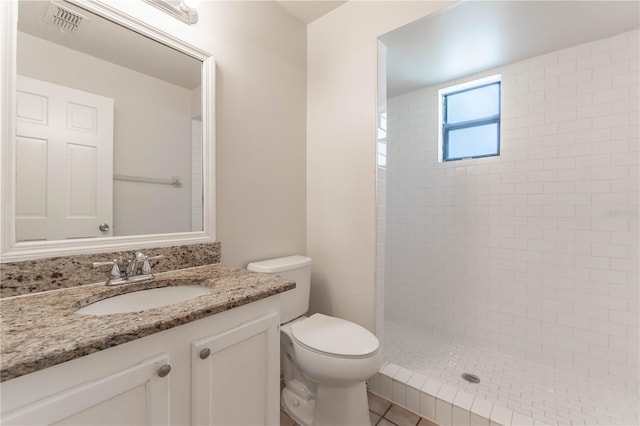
134,264
138,269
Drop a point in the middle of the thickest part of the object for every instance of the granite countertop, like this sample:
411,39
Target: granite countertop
41,330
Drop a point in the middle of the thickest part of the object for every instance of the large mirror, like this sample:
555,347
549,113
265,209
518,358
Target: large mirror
110,133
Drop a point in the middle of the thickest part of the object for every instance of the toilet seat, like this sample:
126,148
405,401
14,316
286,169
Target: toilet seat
334,337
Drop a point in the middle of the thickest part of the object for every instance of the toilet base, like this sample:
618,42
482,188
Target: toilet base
334,406
299,409
342,406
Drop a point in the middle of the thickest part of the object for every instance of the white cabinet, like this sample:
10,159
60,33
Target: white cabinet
224,371
134,396
233,381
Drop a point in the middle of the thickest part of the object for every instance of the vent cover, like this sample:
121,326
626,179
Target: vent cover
65,19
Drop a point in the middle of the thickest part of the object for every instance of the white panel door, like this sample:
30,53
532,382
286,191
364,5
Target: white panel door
64,169
235,376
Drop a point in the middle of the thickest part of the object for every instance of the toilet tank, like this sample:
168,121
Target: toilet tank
293,303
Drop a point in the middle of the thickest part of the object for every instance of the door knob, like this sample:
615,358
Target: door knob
104,227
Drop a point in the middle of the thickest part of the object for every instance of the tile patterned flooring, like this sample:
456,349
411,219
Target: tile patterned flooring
381,412
547,395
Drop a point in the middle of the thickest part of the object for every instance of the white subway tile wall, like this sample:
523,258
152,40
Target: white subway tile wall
381,181
532,254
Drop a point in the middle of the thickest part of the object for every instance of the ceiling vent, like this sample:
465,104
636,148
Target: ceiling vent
67,20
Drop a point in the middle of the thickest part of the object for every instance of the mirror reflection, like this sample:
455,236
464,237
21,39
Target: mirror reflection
108,129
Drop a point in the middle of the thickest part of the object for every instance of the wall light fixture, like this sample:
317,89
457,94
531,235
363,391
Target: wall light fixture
184,10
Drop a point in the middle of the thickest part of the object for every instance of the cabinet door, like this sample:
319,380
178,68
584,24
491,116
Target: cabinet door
135,396
235,375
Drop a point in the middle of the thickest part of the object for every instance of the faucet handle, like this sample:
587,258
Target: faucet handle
146,267
115,270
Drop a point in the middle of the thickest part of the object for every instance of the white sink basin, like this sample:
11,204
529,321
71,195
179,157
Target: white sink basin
143,299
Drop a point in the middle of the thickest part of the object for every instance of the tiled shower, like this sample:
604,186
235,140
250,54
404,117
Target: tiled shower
530,257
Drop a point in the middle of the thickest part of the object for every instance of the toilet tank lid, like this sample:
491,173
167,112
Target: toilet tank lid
273,266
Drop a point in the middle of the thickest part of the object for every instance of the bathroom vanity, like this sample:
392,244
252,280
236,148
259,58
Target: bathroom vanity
212,359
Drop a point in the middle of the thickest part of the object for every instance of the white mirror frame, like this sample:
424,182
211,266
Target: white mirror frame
11,250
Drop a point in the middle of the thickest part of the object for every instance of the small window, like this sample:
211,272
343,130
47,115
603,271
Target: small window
470,120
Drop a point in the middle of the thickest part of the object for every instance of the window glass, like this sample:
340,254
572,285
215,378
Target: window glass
476,141
473,104
470,120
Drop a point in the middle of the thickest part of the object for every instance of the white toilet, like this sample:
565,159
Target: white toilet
325,360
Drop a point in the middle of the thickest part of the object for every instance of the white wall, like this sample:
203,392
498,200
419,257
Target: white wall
533,253
341,152
152,132
260,52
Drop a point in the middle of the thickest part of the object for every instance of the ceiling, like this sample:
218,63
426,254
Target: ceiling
308,10
472,36
465,38
104,39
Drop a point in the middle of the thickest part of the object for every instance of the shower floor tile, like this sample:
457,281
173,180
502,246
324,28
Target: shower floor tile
381,413
547,395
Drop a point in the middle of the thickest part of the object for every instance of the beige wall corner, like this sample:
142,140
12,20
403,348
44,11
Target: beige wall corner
341,152
260,52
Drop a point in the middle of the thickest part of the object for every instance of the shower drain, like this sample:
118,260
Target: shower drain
471,378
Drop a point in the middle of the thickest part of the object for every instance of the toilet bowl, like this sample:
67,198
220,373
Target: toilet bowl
325,360
335,357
